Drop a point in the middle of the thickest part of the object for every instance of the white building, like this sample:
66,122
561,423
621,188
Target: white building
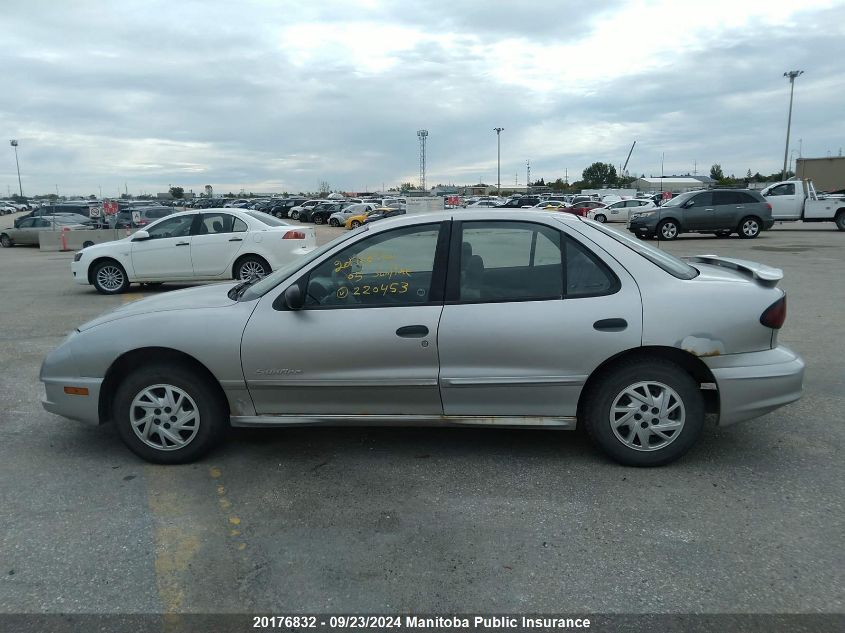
675,184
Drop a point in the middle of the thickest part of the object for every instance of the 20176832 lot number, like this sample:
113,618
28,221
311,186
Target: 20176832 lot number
333,622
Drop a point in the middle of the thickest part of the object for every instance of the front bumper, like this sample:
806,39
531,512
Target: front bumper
756,383
83,408
80,272
642,228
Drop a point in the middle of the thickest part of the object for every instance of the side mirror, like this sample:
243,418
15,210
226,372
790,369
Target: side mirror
294,299
139,236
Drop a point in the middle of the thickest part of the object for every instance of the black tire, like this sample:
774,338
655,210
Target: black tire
355,224
333,222
6,241
318,219
109,278
211,405
610,387
249,264
668,230
601,218
294,215
840,220
87,243
749,227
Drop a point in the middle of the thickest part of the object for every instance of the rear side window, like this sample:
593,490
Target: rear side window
726,197
747,198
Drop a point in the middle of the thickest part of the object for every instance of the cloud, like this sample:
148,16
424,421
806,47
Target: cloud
279,96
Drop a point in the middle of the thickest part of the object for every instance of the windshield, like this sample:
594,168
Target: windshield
678,200
272,280
269,220
667,262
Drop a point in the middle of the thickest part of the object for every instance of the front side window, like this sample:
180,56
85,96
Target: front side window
704,199
179,226
393,268
786,189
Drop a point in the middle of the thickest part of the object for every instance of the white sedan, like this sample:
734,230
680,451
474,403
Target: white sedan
620,211
207,245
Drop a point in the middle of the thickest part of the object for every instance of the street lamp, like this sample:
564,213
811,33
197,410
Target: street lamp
14,144
498,131
791,75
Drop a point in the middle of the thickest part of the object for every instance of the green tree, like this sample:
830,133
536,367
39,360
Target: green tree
599,174
716,172
406,186
177,192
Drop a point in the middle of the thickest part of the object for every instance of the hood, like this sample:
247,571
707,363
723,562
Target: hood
210,296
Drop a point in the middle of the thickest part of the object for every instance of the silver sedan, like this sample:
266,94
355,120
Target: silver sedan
494,318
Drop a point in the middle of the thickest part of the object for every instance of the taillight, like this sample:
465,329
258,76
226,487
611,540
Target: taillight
769,204
294,235
775,314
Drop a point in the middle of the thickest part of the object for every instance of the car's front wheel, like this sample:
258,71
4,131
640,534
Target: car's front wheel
668,230
644,412
333,222
294,215
318,219
251,266
749,228
840,220
355,224
168,414
601,218
109,277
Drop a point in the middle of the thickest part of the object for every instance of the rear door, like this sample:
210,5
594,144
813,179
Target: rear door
529,313
217,239
731,207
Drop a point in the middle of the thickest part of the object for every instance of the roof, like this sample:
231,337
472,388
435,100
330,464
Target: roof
679,180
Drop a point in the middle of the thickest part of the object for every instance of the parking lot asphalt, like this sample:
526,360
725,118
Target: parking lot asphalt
425,520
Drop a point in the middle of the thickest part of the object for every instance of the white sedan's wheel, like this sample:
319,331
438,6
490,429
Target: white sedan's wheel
109,278
250,267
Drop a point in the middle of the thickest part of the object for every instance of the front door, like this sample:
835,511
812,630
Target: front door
366,341
216,243
529,313
785,201
167,252
699,212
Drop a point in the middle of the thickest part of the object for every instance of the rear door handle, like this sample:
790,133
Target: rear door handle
610,325
236,239
183,243
412,331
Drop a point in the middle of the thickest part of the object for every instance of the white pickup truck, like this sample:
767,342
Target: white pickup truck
797,200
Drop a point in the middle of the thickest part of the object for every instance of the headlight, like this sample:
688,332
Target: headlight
78,256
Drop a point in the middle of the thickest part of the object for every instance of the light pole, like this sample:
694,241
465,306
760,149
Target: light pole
14,144
498,131
791,75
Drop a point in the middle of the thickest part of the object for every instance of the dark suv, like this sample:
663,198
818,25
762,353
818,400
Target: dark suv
281,208
717,211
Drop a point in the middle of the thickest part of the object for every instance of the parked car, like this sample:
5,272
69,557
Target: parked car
583,208
717,211
383,214
322,212
621,210
6,209
340,217
294,212
26,232
191,246
354,221
519,202
482,204
614,335
795,200
281,208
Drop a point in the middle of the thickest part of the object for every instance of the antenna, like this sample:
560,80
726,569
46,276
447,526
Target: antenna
422,135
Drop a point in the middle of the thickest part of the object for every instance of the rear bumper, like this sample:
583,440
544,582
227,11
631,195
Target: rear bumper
756,383
767,224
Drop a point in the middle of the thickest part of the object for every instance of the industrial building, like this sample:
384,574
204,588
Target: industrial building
828,174
675,184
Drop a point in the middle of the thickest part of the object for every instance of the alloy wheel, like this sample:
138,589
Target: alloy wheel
647,416
164,417
750,228
669,231
110,278
251,269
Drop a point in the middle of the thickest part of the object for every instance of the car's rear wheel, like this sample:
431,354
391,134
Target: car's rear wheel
601,218
109,278
318,219
5,241
355,224
668,230
251,266
644,412
333,222
840,220
749,228
294,215
168,414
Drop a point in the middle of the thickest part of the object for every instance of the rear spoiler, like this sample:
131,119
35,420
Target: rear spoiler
764,275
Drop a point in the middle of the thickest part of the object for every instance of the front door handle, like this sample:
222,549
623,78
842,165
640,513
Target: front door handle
412,331
183,243
709,209
236,239
610,325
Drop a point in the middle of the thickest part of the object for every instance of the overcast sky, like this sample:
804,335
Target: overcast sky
277,96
